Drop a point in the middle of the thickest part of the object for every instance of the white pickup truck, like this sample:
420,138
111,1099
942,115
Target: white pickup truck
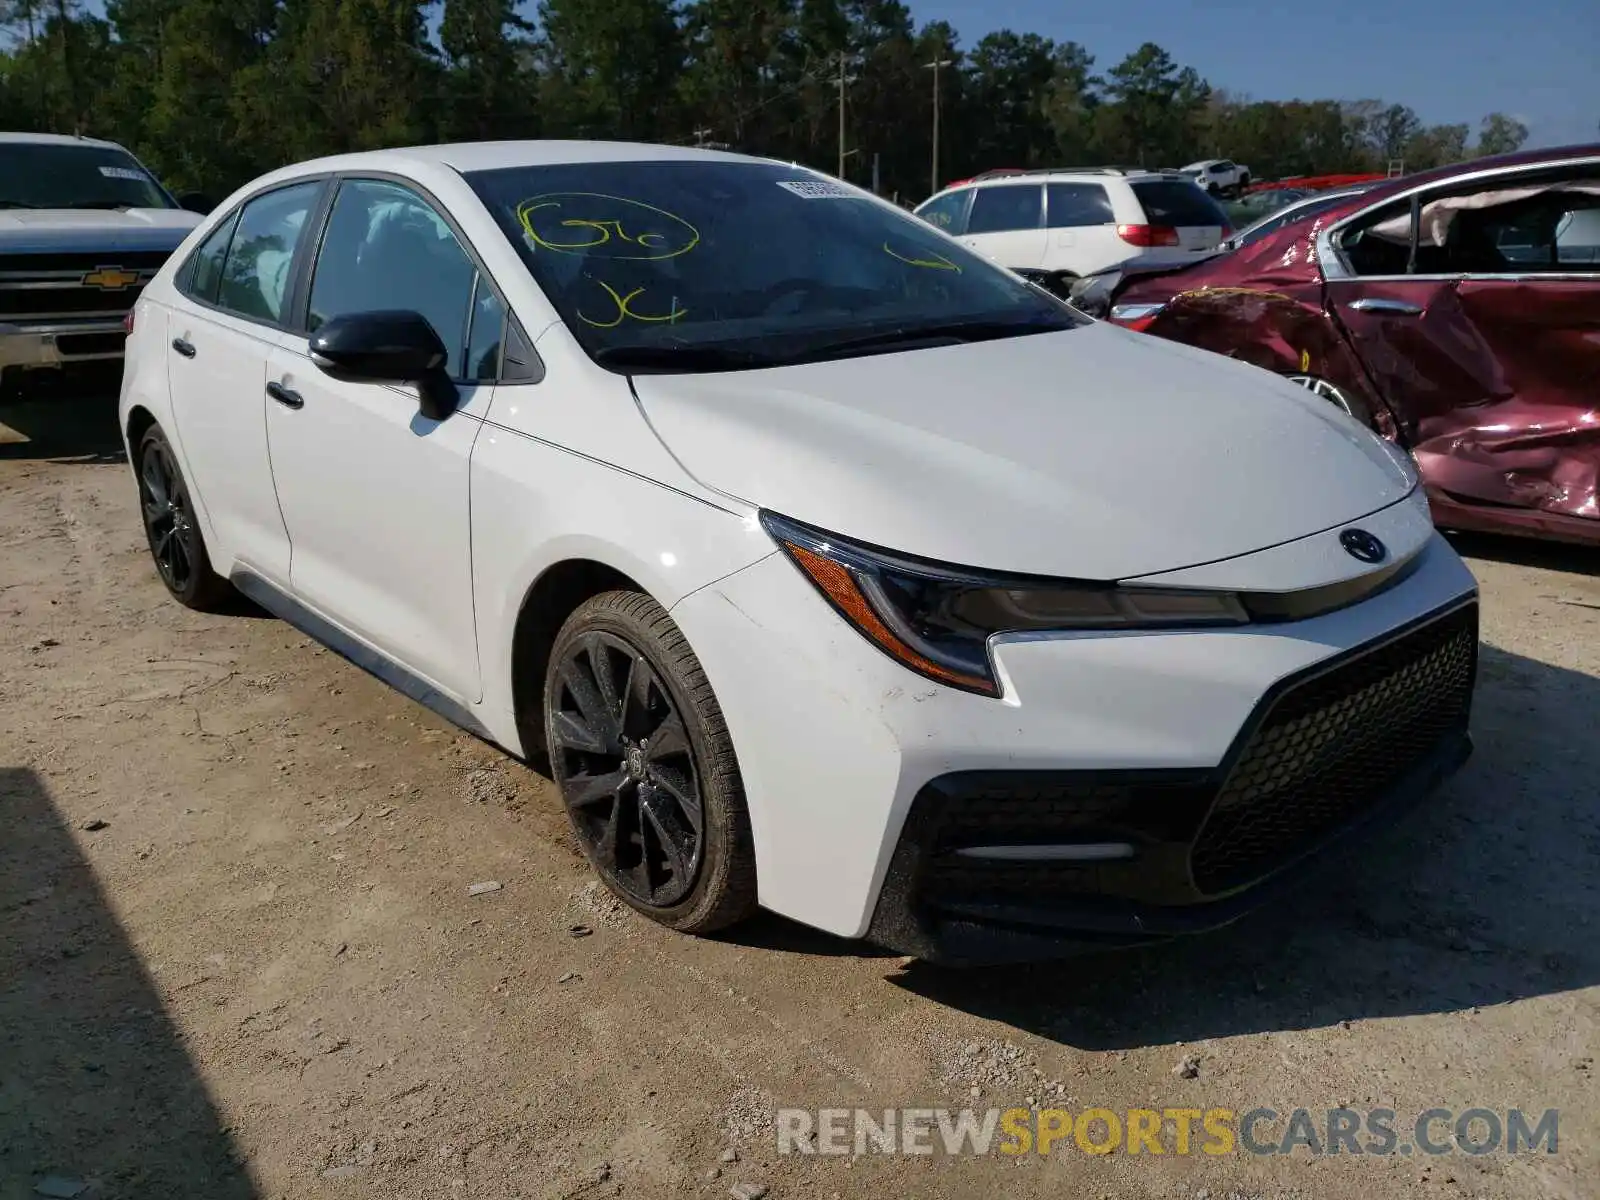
83,227
1219,176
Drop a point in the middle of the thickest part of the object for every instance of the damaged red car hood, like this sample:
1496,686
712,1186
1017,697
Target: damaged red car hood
1092,453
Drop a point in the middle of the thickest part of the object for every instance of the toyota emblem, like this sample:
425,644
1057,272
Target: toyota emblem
1358,543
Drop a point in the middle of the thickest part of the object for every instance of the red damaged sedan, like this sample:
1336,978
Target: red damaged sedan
1457,312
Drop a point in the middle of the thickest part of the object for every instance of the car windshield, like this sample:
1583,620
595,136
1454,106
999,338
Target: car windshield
62,175
716,265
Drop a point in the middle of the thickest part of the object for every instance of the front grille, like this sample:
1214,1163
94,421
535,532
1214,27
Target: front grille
42,286
1334,745
75,344
80,262
68,300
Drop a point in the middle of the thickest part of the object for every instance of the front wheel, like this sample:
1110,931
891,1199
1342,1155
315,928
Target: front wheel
1334,395
645,766
171,529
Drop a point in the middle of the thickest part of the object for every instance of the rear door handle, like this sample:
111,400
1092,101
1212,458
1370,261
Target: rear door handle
1377,304
287,397
185,348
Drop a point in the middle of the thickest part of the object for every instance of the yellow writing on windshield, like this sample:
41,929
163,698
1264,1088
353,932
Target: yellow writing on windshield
937,263
603,226
624,309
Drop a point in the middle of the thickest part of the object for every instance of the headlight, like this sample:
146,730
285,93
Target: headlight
1401,457
937,620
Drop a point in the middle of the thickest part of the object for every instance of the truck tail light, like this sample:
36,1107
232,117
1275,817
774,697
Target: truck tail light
1148,235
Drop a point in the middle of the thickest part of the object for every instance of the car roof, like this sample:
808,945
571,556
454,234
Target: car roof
1085,175
1386,188
486,156
1204,162
53,139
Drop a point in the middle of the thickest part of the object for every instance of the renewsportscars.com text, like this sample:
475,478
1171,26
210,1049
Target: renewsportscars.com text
1175,1131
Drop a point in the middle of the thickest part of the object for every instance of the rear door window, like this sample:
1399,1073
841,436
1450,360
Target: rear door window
1168,202
1071,205
1005,208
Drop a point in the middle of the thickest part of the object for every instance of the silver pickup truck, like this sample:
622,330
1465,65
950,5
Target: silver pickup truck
83,227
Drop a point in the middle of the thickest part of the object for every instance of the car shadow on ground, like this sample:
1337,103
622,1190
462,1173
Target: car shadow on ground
96,1088
1487,894
62,429
1529,552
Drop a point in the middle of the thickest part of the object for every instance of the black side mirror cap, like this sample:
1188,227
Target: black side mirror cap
388,346
196,202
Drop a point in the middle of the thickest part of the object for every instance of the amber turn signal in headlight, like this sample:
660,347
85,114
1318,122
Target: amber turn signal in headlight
937,620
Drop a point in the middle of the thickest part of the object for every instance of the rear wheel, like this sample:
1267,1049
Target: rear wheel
645,766
171,529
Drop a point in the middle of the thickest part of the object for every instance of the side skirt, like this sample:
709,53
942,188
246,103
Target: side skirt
291,611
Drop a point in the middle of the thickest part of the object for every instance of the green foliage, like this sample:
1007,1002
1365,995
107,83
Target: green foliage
213,92
1501,134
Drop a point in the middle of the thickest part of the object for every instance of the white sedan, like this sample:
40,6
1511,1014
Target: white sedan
823,565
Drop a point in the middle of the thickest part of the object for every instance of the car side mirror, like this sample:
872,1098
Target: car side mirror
196,202
391,346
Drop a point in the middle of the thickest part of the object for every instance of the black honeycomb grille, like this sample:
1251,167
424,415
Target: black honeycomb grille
1334,745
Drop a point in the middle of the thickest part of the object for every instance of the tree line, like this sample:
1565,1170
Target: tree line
210,93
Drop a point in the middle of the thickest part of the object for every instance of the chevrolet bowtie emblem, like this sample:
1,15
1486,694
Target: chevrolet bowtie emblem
110,279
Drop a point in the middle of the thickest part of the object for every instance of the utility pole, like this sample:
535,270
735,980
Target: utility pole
934,66
841,113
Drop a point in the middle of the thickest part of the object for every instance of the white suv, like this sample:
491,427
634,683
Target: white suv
1054,226
1219,176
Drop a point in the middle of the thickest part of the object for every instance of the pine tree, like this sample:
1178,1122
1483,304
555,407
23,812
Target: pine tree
490,88
612,68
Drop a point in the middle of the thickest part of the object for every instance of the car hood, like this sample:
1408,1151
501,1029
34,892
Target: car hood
1092,453
45,230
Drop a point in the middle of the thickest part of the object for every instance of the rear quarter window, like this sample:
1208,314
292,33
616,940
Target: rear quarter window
1167,202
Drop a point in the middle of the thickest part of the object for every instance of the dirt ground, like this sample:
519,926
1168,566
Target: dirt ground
239,959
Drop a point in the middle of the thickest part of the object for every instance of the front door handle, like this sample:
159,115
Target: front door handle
1378,304
183,347
287,397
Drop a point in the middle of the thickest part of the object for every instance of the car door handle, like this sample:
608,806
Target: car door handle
287,397
185,348
1377,304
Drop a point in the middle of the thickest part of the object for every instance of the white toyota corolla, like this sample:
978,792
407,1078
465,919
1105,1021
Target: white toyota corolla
830,568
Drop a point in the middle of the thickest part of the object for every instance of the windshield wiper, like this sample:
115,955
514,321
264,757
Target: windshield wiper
950,333
681,359
16,204
98,204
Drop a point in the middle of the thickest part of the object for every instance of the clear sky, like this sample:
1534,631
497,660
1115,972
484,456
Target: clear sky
1450,60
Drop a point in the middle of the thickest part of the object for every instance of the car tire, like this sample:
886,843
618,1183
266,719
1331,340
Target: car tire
645,766
171,529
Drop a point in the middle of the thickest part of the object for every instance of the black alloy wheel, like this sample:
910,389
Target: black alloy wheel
627,771
170,527
645,766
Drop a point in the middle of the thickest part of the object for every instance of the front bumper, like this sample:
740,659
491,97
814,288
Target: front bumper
838,745
60,343
978,874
